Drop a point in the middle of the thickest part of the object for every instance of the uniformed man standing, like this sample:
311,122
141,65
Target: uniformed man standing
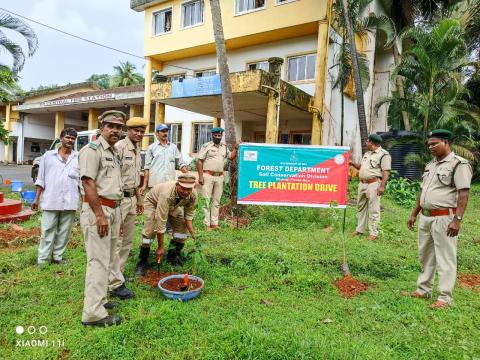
374,172
100,172
441,204
211,161
129,154
172,202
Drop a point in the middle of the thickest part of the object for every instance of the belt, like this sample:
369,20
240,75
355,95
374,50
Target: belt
129,193
213,173
439,212
107,202
369,181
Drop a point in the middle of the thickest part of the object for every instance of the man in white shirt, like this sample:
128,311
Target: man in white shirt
57,193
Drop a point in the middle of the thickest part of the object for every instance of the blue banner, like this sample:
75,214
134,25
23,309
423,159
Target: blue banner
202,86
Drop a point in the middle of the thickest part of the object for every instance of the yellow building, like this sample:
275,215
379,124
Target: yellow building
179,44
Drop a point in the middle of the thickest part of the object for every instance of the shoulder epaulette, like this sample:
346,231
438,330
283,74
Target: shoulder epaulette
93,145
461,159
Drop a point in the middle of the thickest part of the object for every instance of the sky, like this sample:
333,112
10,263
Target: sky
61,59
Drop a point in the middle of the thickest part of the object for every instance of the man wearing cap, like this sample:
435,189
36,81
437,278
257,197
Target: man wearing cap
129,153
441,204
172,202
161,160
100,218
374,172
211,161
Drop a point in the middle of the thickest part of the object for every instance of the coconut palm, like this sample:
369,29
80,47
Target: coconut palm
125,75
362,26
434,68
17,52
345,62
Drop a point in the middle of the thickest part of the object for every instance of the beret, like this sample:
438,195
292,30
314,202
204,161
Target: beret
375,138
441,134
217,130
186,180
137,122
113,116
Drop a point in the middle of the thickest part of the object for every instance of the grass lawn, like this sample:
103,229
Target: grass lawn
288,257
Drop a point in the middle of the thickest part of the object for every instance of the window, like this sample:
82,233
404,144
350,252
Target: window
301,138
301,67
82,141
174,77
201,135
262,65
249,5
204,73
192,13
162,21
175,135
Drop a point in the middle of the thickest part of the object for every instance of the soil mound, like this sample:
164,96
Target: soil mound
349,286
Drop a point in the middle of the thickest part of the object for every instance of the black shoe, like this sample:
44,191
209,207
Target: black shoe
142,265
106,321
111,305
171,256
123,293
59,262
141,269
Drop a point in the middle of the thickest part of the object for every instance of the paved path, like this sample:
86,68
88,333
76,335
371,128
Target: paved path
16,172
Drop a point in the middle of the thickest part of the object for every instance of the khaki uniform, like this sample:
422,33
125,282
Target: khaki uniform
213,157
373,163
163,204
437,251
99,161
129,155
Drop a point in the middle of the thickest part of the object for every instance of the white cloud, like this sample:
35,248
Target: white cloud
60,14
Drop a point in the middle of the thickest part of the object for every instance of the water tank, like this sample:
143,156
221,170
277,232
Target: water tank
400,149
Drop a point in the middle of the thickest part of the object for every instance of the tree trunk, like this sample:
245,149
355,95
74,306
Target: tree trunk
227,97
362,119
400,84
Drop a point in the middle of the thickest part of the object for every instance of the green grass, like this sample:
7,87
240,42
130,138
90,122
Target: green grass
284,257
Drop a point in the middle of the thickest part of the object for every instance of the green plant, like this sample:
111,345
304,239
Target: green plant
402,191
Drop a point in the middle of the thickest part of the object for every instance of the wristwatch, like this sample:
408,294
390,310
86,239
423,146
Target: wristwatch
458,217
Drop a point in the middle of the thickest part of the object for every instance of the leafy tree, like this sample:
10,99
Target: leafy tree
125,75
351,11
17,25
362,25
434,68
101,80
8,85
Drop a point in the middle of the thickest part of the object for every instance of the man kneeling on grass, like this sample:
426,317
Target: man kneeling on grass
172,202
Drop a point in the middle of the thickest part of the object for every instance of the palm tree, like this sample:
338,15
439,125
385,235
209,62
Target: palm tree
18,25
227,96
434,68
361,27
125,75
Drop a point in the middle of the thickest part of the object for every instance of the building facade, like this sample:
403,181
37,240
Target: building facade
179,44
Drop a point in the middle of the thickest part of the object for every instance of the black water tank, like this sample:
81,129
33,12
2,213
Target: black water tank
401,150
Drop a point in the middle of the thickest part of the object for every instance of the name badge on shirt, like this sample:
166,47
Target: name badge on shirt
128,158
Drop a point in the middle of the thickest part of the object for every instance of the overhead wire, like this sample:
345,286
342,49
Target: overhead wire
87,40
